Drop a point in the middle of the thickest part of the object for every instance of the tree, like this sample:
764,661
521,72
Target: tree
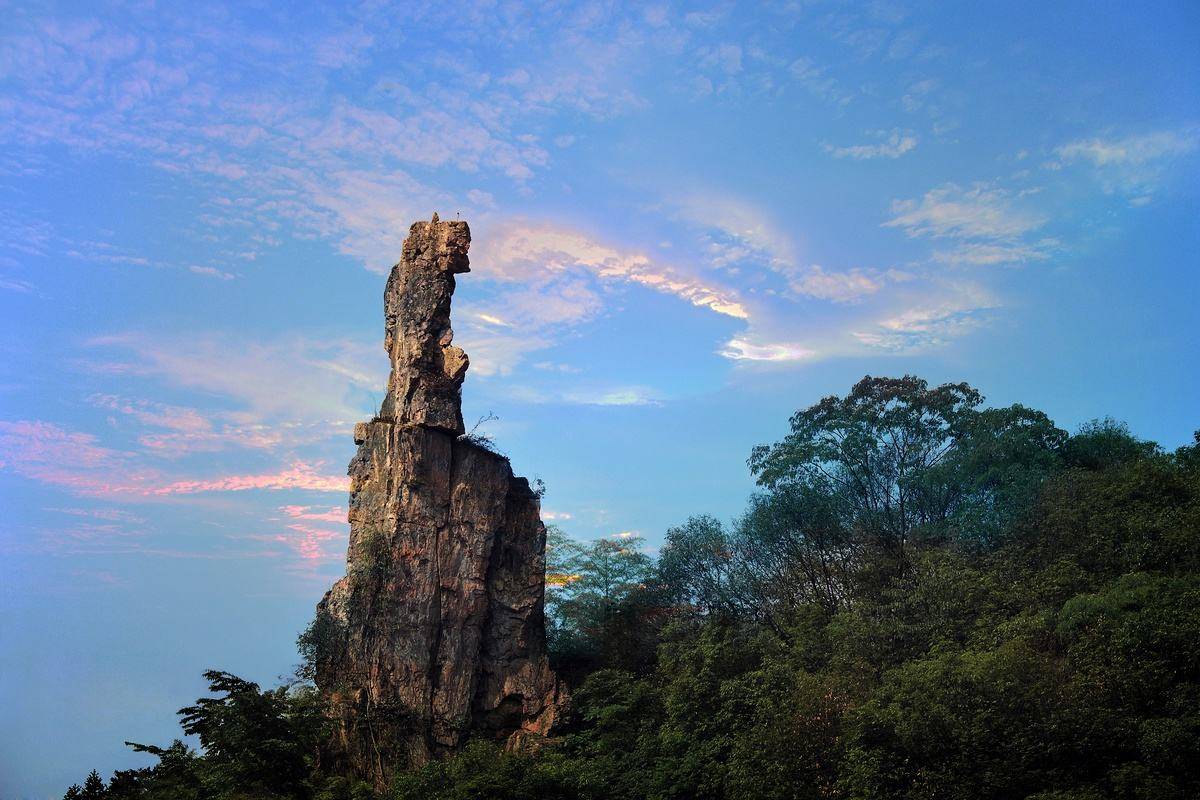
1106,443
992,475
864,481
93,787
253,740
597,598
870,454
698,566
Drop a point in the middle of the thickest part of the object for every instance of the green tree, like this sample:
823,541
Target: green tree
254,740
598,597
698,566
93,787
873,451
1105,443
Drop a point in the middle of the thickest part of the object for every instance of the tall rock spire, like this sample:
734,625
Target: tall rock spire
436,633
425,386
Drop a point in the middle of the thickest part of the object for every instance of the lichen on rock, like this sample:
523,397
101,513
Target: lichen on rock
436,633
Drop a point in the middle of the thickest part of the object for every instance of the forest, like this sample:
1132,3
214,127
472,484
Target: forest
924,598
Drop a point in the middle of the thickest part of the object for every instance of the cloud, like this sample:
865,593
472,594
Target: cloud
626,396
299,475
552,278
838,287
741,349
555,516
893,145
951,310
177,418
737,231
726,57
16,285
49,454
554,366
816,80
992,253
950,211
335,514
281,381
339,164
602,396
523,252
1131,150
495,354
212,272
310,543
1133,165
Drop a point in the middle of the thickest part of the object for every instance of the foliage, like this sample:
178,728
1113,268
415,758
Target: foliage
255,744
483,771
599,603
924,599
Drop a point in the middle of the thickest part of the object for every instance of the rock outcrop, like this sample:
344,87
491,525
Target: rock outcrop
436,633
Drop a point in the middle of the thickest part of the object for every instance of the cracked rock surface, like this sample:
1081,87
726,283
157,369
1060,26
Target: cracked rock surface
436,633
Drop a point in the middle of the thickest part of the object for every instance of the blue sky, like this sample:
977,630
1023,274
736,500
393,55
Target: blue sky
688,221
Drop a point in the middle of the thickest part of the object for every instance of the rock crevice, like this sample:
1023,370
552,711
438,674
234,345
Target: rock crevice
436,633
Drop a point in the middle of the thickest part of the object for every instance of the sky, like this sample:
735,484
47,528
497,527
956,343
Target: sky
689,221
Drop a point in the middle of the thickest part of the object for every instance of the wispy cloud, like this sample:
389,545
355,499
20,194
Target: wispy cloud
736,232
550,278
312,544
76,461
976,212
1132,165
212,272
50,454
175,431
839,287
1131,150
284,380
892,144
626,396
299,475
101,513
592,396
533,252
335,514
950,311
992,253
740,349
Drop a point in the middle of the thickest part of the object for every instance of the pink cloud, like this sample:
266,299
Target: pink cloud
186,420
333,514
47,453
292,379
310,545
299,475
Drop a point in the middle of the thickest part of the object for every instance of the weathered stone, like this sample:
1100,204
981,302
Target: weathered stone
436,633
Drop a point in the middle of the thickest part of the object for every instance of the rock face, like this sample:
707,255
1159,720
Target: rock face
436,632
